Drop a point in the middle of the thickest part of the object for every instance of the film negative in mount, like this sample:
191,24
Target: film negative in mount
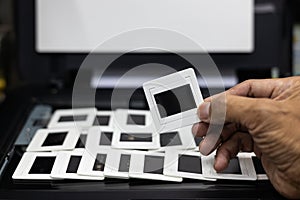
76,118
118,163
140,120
81,142
149,165
54,139
135,139
239,168
104,119
66,166
259,169
173,100
35,166
177,139
99,138
93,163
185,164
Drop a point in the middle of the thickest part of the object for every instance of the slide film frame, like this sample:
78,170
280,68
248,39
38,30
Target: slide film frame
245,164
130,118
67,118
171,167
99,138
26,164
90,160
40,142
186,138
260,175
113,164
104,122
61,166
136,170
135,139
168,83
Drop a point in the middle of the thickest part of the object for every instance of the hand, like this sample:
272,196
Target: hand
261,116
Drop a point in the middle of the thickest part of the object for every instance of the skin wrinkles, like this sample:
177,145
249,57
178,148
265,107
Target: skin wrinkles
261,116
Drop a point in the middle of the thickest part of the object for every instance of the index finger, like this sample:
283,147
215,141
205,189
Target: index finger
263,88
260,88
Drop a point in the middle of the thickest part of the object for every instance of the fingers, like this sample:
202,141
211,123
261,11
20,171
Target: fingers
200,129
230,148
249,113
207,146
204,110
263,88
216,107
260,88
225,108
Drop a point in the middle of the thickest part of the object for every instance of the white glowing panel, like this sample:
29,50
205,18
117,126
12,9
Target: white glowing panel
81,25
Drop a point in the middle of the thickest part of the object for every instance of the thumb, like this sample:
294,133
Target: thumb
224,108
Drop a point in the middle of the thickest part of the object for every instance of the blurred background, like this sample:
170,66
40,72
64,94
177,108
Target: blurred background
9,72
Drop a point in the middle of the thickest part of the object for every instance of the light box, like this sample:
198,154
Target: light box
79,26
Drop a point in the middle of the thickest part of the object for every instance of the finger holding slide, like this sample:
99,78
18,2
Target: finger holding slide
238,142
225,108
248,113
215,128
208,144
200,130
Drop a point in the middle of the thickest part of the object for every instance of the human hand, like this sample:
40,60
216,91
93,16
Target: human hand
261,116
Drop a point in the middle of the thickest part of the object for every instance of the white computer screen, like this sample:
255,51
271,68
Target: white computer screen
221,26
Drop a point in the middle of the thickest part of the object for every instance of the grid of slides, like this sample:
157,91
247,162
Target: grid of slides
89,144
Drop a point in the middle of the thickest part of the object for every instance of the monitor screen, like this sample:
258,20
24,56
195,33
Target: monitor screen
79,26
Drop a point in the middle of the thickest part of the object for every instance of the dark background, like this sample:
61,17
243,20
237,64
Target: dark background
20,64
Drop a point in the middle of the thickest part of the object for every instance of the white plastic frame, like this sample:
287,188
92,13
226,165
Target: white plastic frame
246,165
186,137
61,165
136,169
94,136
41,135
171,165
82,133
121,116
116,143
170,82
259,176
87,162
113,160
24,166
90,112
111,115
